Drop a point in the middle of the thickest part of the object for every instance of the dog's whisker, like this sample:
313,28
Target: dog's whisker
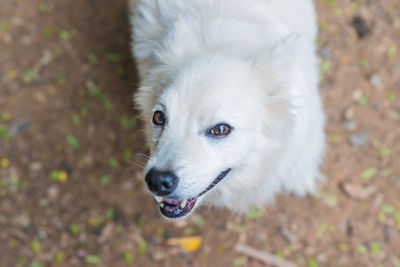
139,165
142,155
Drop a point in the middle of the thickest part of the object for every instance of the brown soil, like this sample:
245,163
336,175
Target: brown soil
68,137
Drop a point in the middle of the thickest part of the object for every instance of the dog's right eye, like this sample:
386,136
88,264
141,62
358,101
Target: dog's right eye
219,130
158,118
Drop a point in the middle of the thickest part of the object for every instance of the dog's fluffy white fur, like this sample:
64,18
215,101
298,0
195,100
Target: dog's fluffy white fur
251,64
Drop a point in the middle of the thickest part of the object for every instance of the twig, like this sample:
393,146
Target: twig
263,256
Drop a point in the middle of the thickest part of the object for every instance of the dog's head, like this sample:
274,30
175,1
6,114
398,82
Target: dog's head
206,119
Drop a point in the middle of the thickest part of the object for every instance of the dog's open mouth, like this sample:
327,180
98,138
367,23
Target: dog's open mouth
173,208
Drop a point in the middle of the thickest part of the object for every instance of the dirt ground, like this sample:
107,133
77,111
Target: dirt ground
70,149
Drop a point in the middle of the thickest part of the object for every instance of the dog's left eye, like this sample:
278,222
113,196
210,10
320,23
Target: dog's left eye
158,118
219,130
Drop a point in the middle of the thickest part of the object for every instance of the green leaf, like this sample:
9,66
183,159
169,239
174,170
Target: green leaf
322,227
73,141
5,116
364,62
386,172
35,245
62,80
189,231
146,147
76,119
362,249
59,257
330,3
363,100
128,258
127,122
325,65
5,26
95,221
127,154
397,217
141,221
106,178
4,132
312,262
65,35
113,163
105,101
110,214
42,8
21,260
376,247
200,222
95,91
120,71
382,217
47,32
75,229
391,96
92,259
37,264
369,173
392,49
254,214
143,247
239,261
384,151
12,242
388,209
30,76
92,58
58,175
335,138
113,57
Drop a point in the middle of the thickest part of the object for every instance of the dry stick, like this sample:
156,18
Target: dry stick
263,256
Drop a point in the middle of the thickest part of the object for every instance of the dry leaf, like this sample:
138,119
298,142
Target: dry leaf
190,243
358,192
264,256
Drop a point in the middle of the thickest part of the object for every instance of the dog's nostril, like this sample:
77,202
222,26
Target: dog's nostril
167,184
161,183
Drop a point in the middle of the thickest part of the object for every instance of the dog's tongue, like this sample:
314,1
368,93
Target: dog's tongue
172,208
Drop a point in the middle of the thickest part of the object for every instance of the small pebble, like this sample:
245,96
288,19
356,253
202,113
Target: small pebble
52,192
359,139
19,127
375,80
325,53
35,166
22,220
321,257
350,124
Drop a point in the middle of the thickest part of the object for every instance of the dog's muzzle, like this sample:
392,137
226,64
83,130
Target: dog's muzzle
174,208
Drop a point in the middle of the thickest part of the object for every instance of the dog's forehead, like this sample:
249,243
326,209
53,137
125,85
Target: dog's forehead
203,104
197,90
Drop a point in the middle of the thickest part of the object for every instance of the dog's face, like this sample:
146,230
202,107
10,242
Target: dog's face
205,123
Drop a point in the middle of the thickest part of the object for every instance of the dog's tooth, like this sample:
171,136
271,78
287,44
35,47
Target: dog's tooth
159,199
162,204
182,204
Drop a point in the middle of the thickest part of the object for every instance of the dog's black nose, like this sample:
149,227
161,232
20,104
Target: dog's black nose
161,183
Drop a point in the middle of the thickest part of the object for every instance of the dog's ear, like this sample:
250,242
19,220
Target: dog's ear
280,58
277,65
180,42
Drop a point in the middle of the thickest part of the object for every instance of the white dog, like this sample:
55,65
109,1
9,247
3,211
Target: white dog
229,95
